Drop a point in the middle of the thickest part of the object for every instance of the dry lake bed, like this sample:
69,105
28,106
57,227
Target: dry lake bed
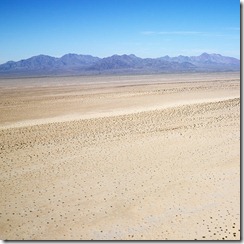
154,157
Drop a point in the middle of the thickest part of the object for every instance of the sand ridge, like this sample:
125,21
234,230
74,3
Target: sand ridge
170,173
91,115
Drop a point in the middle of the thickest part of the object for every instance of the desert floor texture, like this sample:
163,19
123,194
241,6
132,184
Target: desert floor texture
154,157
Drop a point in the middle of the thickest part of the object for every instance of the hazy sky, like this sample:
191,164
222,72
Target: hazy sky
146,28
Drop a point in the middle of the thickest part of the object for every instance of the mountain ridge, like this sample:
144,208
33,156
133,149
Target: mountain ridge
78,64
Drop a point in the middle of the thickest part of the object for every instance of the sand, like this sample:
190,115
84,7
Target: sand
154,157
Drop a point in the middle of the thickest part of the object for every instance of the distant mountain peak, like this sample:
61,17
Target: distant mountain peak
69,55
204,54
208,55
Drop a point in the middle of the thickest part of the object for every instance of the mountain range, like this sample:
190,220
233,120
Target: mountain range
75,64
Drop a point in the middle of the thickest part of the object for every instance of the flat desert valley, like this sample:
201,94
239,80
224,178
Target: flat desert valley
154,157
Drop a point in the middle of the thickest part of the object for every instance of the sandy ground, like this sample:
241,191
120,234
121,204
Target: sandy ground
153,157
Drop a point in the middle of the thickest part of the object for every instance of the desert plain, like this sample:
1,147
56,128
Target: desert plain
147,157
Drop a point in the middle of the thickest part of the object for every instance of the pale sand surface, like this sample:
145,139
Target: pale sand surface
120,157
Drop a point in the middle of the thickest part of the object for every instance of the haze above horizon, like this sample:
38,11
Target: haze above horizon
102,28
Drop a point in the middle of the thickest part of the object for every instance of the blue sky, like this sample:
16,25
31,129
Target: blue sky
146,28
